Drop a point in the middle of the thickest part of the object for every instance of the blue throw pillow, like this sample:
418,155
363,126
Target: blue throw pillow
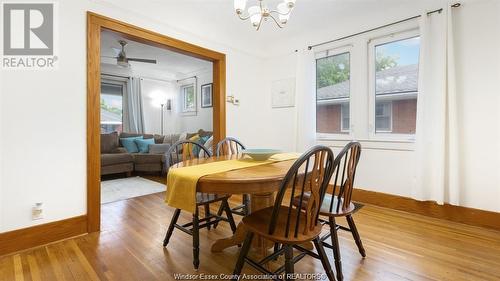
130,145
202,141
143,144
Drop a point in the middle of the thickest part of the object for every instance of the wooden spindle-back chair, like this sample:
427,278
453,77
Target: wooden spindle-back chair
289,224
176,154
339,203
228,147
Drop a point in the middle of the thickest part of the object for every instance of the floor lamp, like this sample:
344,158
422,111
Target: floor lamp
162,105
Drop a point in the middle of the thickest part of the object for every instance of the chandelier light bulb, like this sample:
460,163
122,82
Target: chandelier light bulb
290,3
239,6
255,15
284,12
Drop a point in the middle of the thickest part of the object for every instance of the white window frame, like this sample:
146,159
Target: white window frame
183,99
328,52
390,118
342,129
393,37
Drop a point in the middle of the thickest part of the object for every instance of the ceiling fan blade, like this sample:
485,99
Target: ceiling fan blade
142,60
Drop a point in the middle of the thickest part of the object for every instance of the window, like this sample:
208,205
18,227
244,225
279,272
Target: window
383,117
344,112
111,108
188,98
396,85
333,93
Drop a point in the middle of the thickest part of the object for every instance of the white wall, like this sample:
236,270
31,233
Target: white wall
174,120
155,92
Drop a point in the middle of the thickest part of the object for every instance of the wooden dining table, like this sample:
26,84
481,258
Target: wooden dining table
261,182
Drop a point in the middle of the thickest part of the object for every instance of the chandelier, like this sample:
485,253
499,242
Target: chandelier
261,12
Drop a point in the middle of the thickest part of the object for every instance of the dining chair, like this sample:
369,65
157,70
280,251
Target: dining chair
288,224
188,150
231,146
339,204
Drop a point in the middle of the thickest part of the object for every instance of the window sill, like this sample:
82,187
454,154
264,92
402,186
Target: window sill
376,144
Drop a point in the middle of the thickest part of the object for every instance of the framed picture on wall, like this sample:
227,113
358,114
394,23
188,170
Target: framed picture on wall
206,95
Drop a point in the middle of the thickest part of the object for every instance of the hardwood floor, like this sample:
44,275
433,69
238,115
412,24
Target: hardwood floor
399,246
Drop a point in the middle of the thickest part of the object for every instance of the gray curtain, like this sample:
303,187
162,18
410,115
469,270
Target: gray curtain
133,116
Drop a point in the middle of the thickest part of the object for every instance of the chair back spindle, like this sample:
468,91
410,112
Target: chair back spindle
345,165
183,151
229,146
309,176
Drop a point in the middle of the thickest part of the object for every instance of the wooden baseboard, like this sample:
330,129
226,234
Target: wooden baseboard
449,212
38,235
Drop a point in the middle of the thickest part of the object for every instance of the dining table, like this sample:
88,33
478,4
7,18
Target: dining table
260,182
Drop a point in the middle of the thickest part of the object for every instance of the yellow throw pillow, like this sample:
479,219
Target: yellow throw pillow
187,149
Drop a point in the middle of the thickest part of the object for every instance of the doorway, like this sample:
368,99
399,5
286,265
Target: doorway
97,23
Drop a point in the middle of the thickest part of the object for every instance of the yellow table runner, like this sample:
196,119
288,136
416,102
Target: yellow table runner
181,182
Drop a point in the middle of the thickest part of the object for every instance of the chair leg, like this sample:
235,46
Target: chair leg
324,259
336,248
276,249
170,230
196,241
243,253
288,262
355,235
207,214
229,215
219,213
246,203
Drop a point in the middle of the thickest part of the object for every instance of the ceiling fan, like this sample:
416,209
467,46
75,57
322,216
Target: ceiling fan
122,59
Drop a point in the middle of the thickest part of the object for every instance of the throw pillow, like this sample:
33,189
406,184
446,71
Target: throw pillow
183,136
143,144
196,149
158,138
204,139
130,145
109,142
204,133
208,144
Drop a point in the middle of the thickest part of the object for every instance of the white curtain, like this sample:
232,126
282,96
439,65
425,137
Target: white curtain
133,116
437,135
306,100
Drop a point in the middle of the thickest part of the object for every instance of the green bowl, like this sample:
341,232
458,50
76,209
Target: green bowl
260,154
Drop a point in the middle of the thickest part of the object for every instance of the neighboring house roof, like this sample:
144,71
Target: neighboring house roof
399,79
110,117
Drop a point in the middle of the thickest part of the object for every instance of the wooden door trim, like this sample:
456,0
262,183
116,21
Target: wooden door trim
95,24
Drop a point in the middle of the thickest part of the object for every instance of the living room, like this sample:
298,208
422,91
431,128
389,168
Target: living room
147,105
414,83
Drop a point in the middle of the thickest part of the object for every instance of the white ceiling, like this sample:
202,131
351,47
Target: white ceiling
215,20
170,65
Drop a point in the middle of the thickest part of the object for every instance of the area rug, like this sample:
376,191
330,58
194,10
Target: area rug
122,189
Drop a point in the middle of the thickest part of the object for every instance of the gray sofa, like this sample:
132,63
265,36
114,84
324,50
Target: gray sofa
115,159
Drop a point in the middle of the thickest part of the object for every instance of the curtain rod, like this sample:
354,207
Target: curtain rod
186,78
115,75
456,5
156,79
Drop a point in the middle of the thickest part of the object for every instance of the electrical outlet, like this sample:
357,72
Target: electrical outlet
37,211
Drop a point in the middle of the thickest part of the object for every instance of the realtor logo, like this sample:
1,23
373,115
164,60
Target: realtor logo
28,35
